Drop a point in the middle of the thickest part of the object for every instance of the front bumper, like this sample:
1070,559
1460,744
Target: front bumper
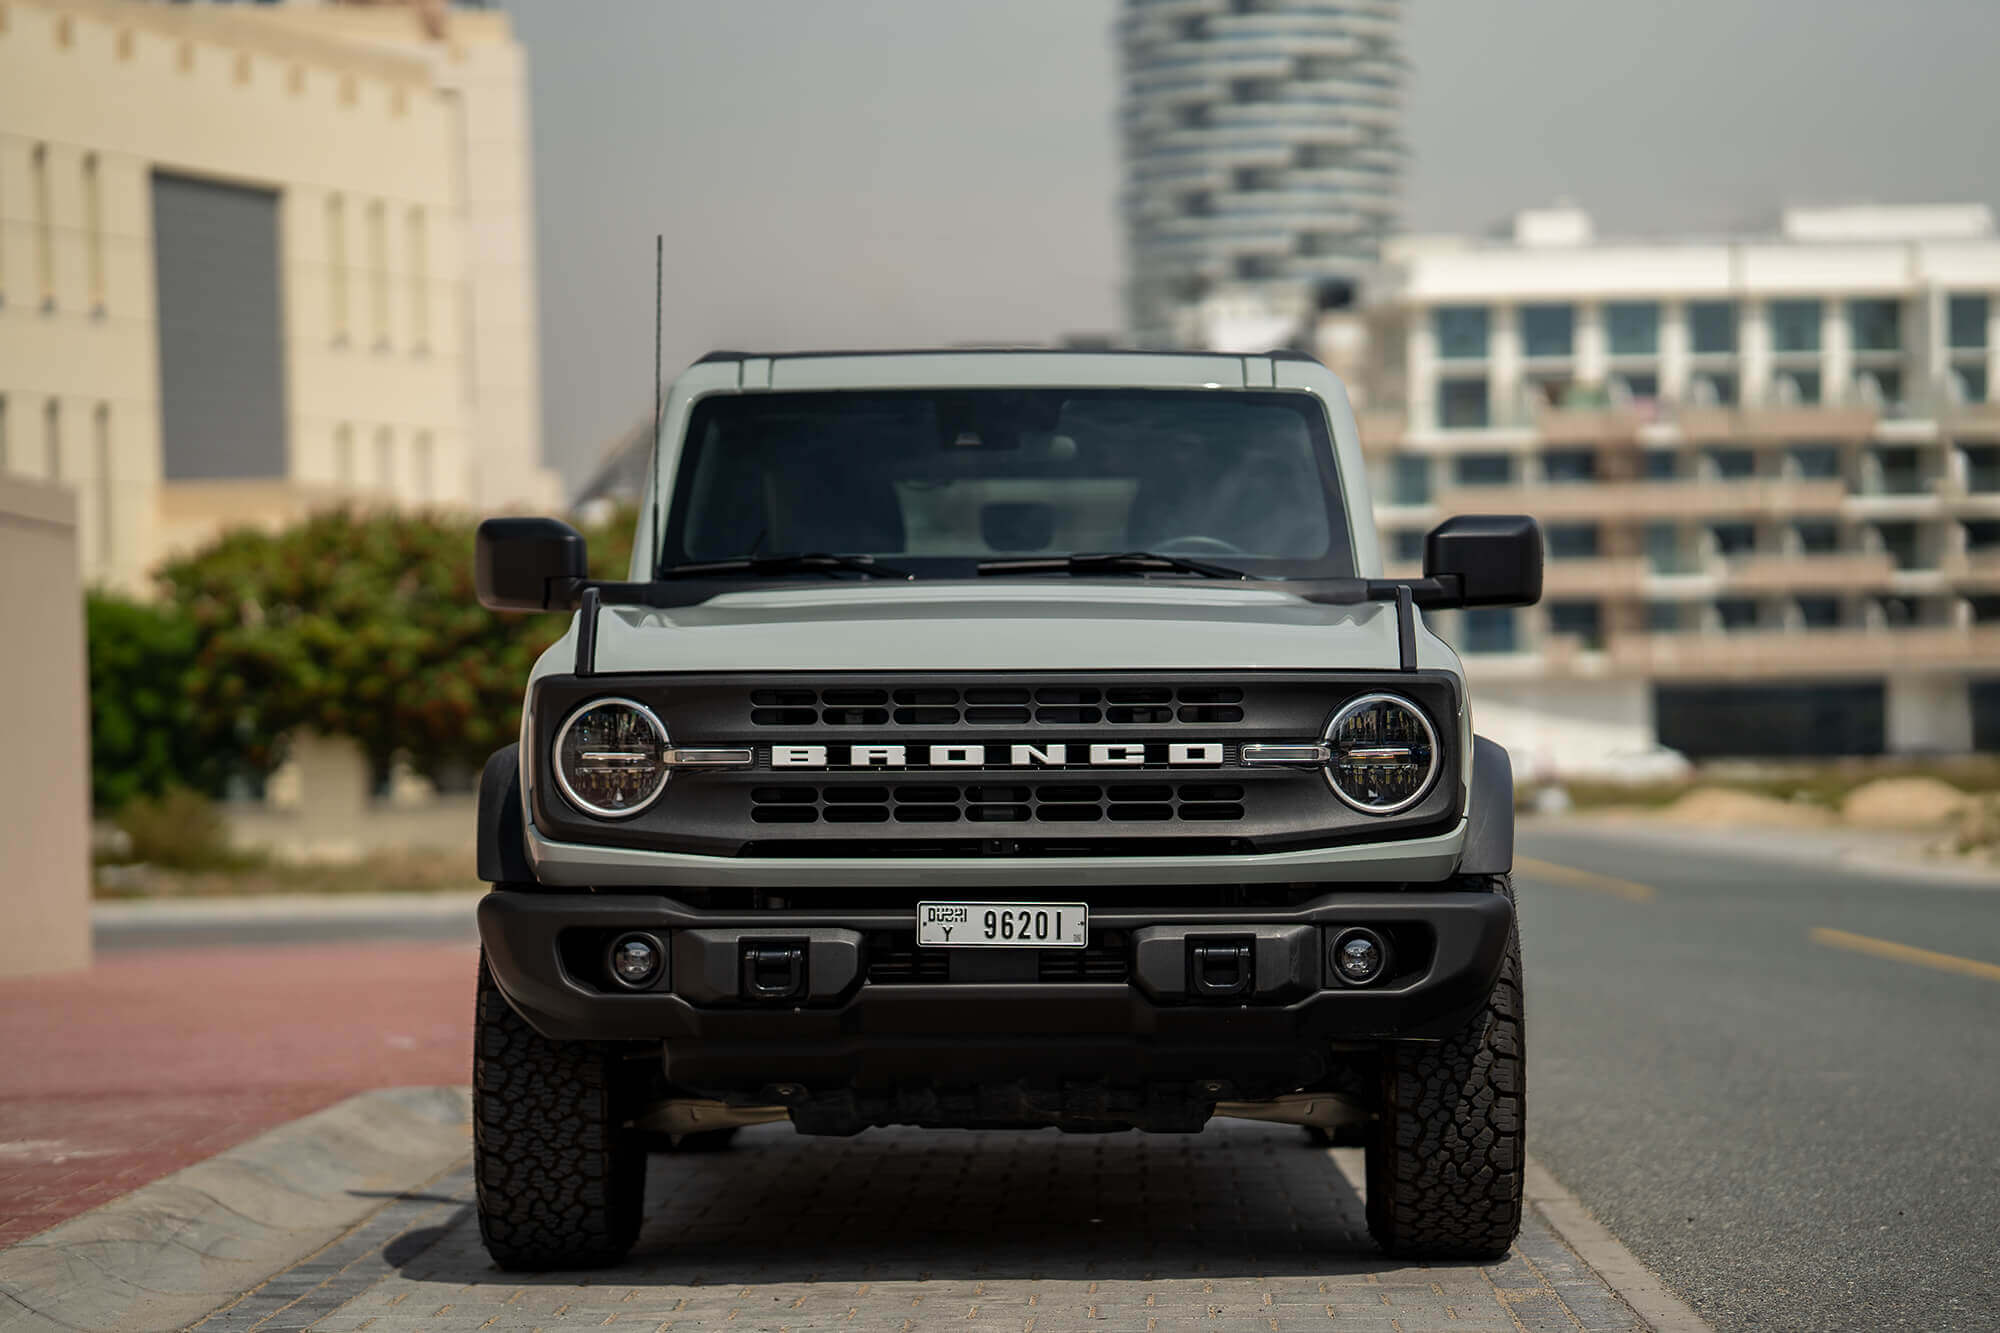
844,1027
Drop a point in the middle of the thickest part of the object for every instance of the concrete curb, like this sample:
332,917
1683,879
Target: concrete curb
166,1254
283,907
1637,1285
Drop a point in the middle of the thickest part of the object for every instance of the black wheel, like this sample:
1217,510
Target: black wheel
561,1183
1446,1161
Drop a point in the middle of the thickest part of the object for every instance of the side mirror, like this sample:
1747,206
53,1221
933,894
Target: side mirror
528,564
1490,559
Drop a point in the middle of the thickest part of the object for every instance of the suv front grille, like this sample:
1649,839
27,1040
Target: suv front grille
893,959
996,706
999,803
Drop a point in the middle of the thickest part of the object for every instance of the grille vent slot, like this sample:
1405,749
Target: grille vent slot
996,706
1000,803
893,958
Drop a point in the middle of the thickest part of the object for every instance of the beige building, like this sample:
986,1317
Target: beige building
1767,467
259,259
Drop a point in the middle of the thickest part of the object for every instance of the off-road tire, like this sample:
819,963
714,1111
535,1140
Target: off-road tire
1445,1164
561,1182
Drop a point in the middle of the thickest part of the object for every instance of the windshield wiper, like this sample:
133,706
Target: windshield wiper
1113,562
809,562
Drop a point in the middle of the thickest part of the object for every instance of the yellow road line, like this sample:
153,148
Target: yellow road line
1584,879
1903,953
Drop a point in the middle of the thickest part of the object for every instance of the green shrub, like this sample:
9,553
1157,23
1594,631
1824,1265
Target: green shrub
177,830
145,732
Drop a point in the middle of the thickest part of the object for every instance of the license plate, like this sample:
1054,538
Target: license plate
1008,925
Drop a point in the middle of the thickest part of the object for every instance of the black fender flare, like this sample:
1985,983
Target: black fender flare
1489,830
503,827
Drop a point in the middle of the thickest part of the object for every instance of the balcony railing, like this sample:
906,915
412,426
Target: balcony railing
1802,652
1648,499
1832,571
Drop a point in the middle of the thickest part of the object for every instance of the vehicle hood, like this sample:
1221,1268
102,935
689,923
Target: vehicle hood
1015,626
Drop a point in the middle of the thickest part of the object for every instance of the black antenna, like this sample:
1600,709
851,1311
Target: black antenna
659,266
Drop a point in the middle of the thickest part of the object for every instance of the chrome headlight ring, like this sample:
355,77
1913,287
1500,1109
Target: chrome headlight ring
658,760
1397,749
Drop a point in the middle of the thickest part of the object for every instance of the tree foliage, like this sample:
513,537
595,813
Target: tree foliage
361,625
145,735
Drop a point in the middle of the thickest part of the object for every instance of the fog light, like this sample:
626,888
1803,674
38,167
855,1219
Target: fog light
1359,956
636,960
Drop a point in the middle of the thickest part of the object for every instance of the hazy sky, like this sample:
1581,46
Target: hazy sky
910,172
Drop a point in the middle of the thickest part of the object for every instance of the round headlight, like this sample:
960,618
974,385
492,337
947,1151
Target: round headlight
1384,754
611,758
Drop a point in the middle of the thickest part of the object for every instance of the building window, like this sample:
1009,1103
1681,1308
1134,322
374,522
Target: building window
1982,467
1879,388
1795,326
45,241
1875,326
1900,541
1253,268
1548,330
52,466
1969,383
1712,327
1736,614
419,264
1489,629
93,230
1792,388
1461,332
1583,621
336,267
4,459
378,271
1818,462
343,454
1660,465
101,424
422,468
385,460
1572,541
1817,536
1663,617
1633,328
1634,389
1410,481
1662,542
1461,404
1712,390
1547,390
1734,540
1483,469
1819,612
1965,320
1406,545
1568,465
1732,464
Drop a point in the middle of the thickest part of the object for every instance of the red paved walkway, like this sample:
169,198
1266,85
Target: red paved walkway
154,1060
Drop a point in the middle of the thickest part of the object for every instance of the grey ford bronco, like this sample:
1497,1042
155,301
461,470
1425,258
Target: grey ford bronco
993,739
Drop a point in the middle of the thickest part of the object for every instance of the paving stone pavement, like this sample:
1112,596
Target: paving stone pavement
1244,1227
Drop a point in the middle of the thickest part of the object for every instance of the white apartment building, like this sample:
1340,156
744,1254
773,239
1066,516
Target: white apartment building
1263,157
1767,467
258,260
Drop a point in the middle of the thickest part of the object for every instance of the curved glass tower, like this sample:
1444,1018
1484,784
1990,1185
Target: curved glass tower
1262,152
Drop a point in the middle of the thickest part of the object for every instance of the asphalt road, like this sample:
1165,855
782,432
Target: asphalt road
1792,1132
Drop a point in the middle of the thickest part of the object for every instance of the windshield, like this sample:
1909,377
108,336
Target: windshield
938,480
